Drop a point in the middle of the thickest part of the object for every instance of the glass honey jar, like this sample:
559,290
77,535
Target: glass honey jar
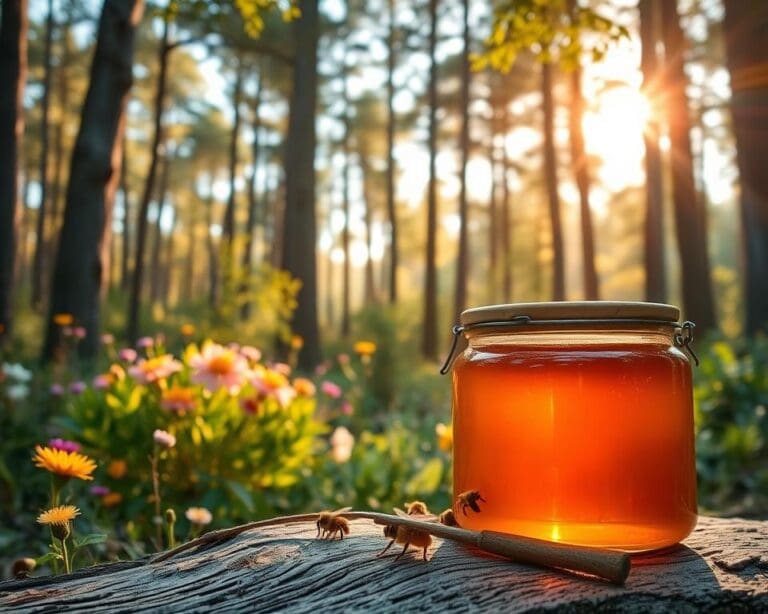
573,422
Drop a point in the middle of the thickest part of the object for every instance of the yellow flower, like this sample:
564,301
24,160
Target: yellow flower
187,330
117,469
63,319
444,436
62,514
154,369
199,516
303,387
111,499
364,348
297,342
67,464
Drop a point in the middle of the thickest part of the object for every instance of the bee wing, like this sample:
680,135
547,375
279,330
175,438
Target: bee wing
400,512
342,510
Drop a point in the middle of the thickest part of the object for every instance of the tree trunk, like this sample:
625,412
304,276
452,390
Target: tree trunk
39,264
213,255
718,568
429,325
506,214
653,230
580,164
253,207
746,44
346,270
299,222
13,73
391,208
156,271
110,191
79,268
134,299
229,213
462,261
365,168
125,256
493,222
550,175
690,212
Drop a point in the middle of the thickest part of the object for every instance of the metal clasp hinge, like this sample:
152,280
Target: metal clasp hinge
684,338
456,329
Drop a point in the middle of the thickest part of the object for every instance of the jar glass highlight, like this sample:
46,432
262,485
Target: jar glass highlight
580,433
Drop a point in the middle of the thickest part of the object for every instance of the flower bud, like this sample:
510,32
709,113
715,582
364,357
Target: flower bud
170,516
23,567
60,531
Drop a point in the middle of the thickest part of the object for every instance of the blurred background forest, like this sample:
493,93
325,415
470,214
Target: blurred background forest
333,182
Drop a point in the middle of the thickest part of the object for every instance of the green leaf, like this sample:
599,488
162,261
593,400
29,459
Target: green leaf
87,540
48,557
427,480
242,493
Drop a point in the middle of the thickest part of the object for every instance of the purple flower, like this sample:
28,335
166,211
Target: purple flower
64,445
98,491
102,382
331,389
77,387
78,332
145,342
56,390
127,354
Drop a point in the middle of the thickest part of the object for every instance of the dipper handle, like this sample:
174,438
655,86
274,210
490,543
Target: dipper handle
610,565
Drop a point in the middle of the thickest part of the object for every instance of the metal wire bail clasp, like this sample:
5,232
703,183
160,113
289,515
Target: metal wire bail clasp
456,329
684,338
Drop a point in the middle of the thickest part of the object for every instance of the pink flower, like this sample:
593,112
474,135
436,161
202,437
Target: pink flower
64,445
78,332
218,367
346,408
163,438
98,491
343,359
56,390
102,382
251,353
77,387
342,442
127,354
281,367
107,339
145,342
331,389
154,369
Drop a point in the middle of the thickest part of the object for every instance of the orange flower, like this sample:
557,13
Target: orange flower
187,330
297,342
63,463
303,387
117,469
111,499
444,436
63,514
151,370
364,348
180,399
63,319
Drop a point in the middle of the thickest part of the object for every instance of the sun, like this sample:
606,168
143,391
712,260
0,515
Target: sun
613,131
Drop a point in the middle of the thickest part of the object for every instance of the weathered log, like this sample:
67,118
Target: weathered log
723,565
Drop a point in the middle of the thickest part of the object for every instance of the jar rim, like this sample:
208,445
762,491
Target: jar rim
571,310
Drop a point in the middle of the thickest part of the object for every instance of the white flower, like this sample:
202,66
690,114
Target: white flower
17,392
17,372
342,442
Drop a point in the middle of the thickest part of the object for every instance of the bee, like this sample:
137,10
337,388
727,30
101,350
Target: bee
407,536
469,499
448,518
331,524
416,508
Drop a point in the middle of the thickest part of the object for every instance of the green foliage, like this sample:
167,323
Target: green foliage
548,28
732,427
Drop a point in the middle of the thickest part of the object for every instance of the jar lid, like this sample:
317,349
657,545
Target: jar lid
571,310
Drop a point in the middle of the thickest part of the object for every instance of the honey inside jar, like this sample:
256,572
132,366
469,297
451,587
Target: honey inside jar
581,434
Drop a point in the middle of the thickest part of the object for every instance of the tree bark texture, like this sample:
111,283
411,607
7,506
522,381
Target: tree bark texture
134,299
653,227
299,224
79,267
746,38
346,206
229,214
429,324
13,72
690,211
550,177
720,568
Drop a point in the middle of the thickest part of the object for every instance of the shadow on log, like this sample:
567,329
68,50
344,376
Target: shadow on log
723,565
